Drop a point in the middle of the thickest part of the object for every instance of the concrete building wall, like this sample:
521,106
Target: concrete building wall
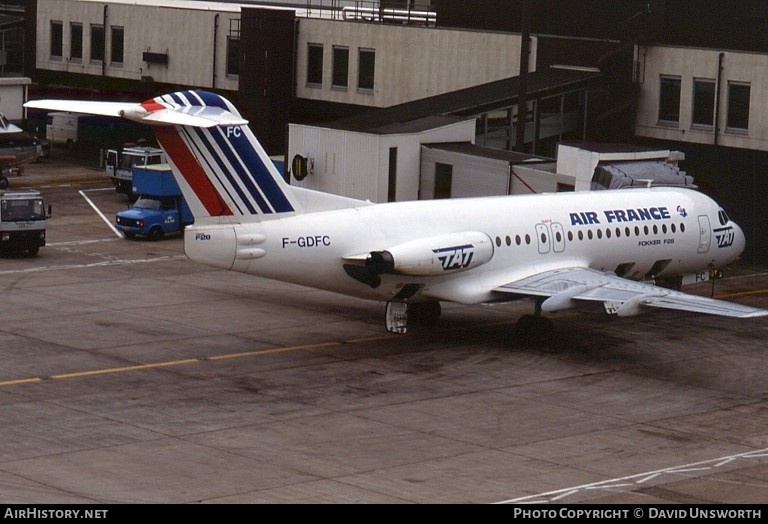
13,94
689,64
192,34
411,62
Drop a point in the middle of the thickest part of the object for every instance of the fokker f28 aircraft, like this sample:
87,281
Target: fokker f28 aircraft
563,250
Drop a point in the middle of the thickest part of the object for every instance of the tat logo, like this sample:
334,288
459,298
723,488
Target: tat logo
456,257
725,237
682,211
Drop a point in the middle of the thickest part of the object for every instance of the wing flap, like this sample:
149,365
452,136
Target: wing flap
564,288
706,305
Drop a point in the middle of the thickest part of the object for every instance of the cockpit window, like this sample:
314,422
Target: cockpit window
723,216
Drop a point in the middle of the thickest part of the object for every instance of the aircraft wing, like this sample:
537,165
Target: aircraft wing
567,287
154,113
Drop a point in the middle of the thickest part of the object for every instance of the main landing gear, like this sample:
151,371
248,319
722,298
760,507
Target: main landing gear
399,314
406,310
534,329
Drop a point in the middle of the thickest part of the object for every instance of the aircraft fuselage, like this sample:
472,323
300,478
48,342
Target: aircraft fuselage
638,233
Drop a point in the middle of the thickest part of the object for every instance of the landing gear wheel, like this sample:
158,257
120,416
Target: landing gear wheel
3,182
396,316
534,330
424,313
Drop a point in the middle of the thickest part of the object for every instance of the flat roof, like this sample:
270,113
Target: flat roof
467,148
473,100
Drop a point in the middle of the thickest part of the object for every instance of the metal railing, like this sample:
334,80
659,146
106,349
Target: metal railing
382,11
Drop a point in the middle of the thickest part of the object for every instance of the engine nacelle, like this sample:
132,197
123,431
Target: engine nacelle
214,245
433,256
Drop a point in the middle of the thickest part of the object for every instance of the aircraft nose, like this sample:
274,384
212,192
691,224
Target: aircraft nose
739,241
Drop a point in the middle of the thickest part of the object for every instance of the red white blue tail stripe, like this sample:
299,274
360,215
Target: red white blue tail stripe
225,170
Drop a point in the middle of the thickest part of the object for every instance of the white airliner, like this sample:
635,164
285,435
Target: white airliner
563,250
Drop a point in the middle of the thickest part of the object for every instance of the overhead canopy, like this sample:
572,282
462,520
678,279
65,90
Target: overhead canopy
618,175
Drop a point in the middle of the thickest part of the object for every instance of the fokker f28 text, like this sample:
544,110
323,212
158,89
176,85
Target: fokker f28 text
562,250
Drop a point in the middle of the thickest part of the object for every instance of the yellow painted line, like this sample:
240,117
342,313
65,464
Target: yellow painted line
21,381
273,350
181,362
123,369
377,338
744,293
169,363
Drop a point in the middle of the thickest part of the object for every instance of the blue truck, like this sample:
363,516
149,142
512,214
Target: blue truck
160,209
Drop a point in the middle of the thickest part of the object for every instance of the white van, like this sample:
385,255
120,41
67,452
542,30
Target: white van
62,128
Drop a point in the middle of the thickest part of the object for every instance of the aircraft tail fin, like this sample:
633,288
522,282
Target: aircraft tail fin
220,166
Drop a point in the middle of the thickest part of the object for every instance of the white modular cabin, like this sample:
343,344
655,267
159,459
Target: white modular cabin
382,165
457,170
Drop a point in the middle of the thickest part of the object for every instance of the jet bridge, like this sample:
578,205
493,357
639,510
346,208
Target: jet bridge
618,175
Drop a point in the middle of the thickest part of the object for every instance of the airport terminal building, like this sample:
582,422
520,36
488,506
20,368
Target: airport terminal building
606,71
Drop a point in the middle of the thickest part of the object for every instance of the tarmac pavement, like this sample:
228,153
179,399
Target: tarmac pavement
132,375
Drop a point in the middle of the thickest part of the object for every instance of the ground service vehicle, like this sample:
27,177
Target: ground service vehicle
62,128
160,208
22,221
120,163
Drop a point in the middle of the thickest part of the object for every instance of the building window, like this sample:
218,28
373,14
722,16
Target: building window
233,56
443,180
76,42
703,102
669,100
57,40
738,106
365,69
97,43
315,65
340,67
118,36
392,182
233,48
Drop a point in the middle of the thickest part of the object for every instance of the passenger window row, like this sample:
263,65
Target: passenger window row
597,233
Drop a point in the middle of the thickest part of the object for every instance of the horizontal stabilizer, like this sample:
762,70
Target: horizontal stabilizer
83,106
147,113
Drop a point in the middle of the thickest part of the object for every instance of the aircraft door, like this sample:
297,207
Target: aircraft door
705,234
558,237
543,236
